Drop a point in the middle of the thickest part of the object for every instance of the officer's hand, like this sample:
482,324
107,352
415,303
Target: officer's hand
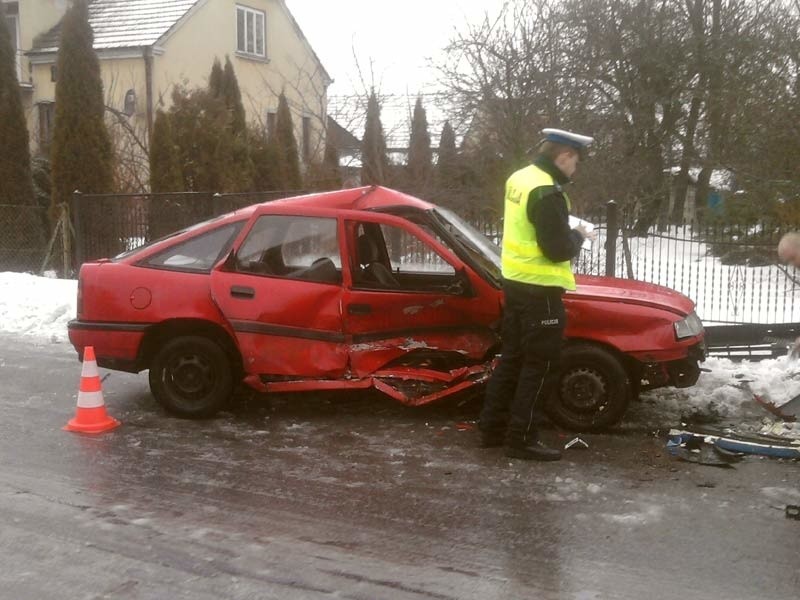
587,235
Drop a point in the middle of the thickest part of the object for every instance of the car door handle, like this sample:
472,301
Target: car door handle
359,309
238,291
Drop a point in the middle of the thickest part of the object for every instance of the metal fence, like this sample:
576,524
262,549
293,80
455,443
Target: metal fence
108,224
23,241
729,270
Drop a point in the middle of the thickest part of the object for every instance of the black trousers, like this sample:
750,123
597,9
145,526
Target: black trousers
533,328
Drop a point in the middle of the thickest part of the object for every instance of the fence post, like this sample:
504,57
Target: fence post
612,227
77,227
216,205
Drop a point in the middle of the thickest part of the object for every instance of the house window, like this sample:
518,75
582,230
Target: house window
251,33
306,139
129,106
271,119
12,23
47,117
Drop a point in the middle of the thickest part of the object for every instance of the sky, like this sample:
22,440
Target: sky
38,309
398,37
401,40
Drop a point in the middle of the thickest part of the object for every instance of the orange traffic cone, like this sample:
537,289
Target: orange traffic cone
91,416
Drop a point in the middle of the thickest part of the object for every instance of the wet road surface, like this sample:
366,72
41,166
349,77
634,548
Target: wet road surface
352,496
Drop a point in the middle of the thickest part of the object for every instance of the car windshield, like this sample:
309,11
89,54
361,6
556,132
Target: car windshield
480,248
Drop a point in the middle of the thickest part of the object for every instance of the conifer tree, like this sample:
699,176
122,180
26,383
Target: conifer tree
286,146
21,233
216,79
233,98
374,163
420,163
165,176
447,163
236,150
82,157
330,165
165,172
266,161
211,139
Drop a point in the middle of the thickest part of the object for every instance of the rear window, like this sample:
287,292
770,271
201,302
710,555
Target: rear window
197,254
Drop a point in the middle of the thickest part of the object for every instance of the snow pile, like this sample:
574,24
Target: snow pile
724,392
38,306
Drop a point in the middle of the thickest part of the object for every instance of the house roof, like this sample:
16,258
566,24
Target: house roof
139,23
123,23
342,139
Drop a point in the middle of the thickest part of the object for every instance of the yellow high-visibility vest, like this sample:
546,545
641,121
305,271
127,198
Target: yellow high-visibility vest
522,258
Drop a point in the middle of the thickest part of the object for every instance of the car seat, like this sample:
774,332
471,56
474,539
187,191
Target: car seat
373,271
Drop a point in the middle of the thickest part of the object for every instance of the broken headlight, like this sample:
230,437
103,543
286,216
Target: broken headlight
688,327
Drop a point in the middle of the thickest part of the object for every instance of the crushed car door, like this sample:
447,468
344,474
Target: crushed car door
281,291
410,306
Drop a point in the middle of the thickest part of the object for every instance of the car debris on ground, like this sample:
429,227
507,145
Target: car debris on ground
576,443
716,447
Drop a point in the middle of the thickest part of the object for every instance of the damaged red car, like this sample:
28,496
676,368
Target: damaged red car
354,289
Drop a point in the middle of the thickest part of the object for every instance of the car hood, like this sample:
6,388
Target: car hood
629,291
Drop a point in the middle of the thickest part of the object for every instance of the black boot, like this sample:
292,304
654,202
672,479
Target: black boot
531,449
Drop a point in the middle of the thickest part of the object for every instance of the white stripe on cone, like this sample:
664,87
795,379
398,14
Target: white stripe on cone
90,369
90,399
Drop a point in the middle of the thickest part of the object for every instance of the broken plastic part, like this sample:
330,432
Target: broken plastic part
577,443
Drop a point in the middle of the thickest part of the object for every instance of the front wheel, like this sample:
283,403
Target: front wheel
191,377
592,392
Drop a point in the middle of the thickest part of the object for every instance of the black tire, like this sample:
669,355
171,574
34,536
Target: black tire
593,390
191,377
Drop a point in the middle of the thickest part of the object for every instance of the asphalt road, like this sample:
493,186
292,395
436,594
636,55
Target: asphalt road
352,496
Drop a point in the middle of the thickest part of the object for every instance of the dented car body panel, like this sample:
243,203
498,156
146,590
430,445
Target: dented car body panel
350,289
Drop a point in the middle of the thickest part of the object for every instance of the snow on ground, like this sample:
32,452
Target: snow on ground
37,306
42,307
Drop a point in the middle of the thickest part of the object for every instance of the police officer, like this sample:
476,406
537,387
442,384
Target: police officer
538,245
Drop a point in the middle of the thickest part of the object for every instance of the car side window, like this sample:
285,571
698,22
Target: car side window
198,253
295,247
409,254
389,257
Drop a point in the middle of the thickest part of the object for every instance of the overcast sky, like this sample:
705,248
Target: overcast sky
397,36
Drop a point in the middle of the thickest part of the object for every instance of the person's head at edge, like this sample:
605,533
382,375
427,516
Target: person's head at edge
789,248
564,149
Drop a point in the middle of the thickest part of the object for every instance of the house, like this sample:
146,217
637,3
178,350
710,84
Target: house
146,47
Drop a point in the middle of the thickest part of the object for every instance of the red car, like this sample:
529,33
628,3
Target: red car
360,288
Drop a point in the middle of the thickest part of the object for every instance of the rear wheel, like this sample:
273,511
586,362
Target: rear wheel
593,390
191,377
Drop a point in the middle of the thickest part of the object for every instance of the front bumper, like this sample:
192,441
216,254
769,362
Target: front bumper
680,373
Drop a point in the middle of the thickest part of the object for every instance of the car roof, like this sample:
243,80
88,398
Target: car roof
361,198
